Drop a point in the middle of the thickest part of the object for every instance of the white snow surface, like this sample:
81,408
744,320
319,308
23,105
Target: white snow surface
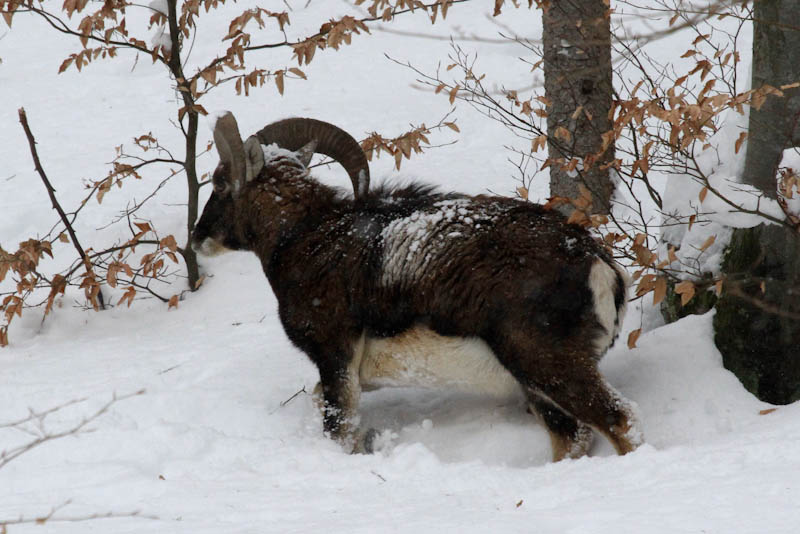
159,5
213,446
161,38
791,159
160,35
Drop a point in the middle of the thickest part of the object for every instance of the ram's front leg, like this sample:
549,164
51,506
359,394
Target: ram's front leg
337,394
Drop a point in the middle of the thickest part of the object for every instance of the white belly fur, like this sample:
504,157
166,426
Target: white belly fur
421,357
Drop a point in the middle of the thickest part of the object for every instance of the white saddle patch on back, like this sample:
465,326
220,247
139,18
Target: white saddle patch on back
420,357
411,243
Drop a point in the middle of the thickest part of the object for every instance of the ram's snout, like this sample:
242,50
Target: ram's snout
214,232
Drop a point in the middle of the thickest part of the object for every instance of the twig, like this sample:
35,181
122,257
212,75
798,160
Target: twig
41,415
51,516
290,399
734,289
168,369
287,401
458,37
378,475
7,456
23,119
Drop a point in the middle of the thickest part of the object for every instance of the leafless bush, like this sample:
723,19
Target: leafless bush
35,427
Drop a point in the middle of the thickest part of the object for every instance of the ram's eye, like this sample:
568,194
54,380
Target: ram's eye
221,187
219,180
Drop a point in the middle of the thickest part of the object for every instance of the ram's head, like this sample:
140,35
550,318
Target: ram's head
242,162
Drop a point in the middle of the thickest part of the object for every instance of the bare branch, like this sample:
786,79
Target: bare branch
42,435
53,516
23,119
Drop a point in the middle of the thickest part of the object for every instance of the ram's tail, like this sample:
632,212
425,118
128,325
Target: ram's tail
609,285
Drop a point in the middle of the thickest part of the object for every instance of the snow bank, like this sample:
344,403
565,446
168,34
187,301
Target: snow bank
213,445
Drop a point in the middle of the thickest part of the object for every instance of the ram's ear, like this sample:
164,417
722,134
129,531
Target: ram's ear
307,152
254,156
229,146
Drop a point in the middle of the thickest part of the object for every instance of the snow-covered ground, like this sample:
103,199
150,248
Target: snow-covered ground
212,445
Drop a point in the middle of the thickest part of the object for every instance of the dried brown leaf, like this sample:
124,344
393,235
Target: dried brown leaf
453,94
686,290
739,141
633,337
143,226
111,275
563,133
538,143
671,255
67,62
298,72
129,295
578,217
7,16
708,242
169,243
660,290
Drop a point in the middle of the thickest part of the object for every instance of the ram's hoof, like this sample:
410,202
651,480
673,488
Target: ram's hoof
365,444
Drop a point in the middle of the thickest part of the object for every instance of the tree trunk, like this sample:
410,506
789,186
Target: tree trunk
193,191
757,325
190,134
776,57
577,72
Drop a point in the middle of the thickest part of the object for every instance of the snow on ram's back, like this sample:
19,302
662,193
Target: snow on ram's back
200,419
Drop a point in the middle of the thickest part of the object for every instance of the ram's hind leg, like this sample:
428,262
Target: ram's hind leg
565,376
569,437
585,394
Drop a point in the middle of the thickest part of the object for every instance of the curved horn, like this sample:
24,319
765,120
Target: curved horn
293,134
230,149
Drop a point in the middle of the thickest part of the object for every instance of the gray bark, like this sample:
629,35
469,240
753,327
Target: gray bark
757,324
190,134
773,127
577,71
